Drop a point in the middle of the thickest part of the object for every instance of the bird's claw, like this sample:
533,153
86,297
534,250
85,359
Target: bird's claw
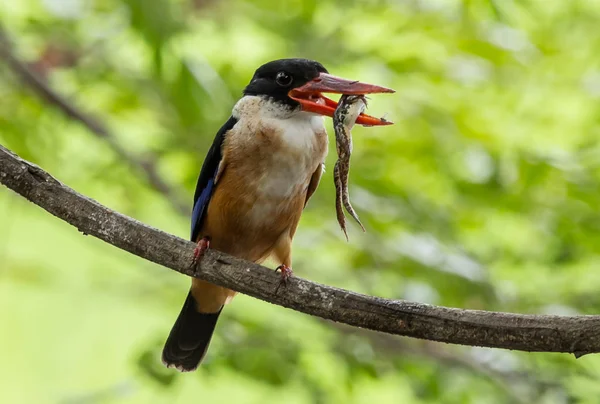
286,274
201,247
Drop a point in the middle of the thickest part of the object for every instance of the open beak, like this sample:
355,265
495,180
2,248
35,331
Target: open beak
311,98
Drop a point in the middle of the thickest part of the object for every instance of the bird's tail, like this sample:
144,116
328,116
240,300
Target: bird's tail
189,339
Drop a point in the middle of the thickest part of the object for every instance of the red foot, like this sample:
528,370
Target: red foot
203,245
286,274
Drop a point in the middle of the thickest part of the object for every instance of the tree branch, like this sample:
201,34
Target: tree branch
147,166
541,333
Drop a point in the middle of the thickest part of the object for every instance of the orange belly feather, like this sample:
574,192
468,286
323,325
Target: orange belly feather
256,206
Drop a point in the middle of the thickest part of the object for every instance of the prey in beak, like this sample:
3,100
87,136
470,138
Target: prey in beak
310,96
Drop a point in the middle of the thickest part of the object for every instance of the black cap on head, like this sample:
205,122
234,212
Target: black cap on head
275,79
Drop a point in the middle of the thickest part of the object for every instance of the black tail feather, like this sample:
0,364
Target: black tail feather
189,339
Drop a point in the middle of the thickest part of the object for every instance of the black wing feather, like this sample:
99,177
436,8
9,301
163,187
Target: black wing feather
206,180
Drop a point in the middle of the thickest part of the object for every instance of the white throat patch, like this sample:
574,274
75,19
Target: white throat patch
298,128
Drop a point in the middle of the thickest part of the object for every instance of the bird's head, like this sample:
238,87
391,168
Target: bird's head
300,84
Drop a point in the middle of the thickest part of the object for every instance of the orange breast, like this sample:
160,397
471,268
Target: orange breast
268,160
259,195
243,223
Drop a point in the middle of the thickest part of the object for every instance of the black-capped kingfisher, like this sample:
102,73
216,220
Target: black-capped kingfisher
261,170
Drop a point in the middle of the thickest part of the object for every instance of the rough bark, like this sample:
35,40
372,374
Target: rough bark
541,333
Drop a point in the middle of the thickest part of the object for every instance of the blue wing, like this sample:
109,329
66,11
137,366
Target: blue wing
206,180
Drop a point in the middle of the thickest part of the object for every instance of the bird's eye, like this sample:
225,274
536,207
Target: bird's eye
283,79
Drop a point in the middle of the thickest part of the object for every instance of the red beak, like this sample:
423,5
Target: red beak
310,98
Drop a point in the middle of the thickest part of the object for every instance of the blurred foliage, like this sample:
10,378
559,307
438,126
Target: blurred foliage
483,195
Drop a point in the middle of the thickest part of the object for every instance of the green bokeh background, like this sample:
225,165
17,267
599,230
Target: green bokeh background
484,195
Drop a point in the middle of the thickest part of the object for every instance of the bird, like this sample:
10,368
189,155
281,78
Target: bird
263,166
